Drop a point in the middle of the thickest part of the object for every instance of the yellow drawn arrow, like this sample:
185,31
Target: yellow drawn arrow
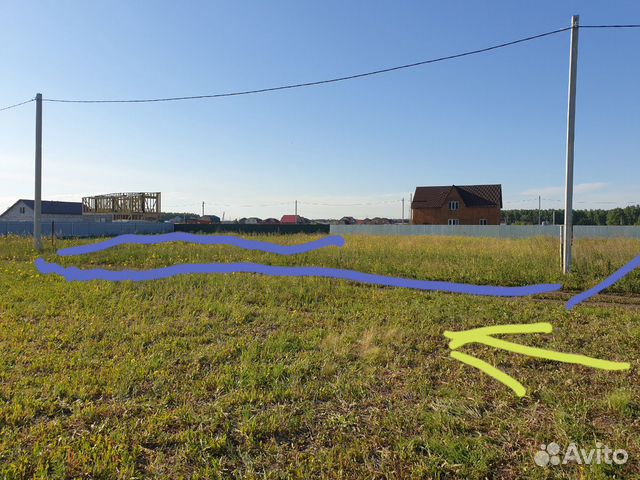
484,336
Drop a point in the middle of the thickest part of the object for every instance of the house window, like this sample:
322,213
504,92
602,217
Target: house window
453,205
483,221
453,221
22,209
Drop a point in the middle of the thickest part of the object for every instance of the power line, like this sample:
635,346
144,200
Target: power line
348,204
510,202
331,80
630,25
321,82
300,202
217,204
17,104
349,77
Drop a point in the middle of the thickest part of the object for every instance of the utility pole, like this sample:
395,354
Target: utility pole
37,203
203,209
403,210
571,118
539,218
296,210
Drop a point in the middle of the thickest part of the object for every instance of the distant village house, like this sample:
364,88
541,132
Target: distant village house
208,219
22,211
294,219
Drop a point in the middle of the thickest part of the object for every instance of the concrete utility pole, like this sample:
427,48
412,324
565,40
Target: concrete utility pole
296,210
37,203
571,118
539,218
203,209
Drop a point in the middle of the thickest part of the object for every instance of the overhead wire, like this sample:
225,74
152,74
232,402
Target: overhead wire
326,81
17,104
349,204
628,25
319,82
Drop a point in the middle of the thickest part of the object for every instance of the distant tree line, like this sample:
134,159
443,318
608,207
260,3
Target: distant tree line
618,216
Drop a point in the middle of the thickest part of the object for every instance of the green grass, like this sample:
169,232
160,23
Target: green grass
249,376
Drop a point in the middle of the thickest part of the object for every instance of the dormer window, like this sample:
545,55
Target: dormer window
453,205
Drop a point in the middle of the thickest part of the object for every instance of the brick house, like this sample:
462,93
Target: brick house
457,205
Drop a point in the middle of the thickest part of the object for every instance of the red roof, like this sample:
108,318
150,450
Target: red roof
472,196
290,219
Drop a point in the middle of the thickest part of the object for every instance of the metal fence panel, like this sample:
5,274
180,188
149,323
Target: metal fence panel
606,231
495,231
89,229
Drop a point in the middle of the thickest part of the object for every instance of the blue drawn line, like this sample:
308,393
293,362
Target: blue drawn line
336,241
607,282
74,274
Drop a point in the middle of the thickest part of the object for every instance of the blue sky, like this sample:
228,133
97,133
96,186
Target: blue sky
499,117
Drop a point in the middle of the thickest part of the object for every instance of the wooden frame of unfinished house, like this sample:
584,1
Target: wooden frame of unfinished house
124,206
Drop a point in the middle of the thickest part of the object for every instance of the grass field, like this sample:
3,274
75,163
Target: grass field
247,376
